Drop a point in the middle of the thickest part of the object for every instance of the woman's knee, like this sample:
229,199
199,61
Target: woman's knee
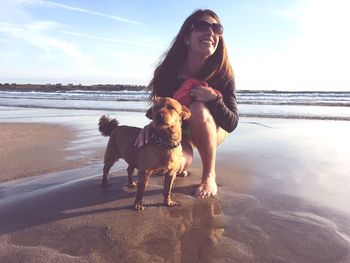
200,114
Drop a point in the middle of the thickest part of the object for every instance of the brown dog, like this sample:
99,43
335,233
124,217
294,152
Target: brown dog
162,155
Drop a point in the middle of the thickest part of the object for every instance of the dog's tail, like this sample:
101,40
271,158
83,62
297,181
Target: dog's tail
106,125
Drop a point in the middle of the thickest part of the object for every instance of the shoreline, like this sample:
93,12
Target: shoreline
243,115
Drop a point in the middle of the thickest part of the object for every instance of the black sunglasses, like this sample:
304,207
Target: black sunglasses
203,26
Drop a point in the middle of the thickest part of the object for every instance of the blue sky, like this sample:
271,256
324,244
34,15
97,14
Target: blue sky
272,44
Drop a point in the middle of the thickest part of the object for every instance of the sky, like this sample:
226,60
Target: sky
281,45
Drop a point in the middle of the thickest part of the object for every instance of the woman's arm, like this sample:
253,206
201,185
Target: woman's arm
224,109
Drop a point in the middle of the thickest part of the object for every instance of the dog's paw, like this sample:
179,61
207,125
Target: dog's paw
132,185
139,206
183,174
171,203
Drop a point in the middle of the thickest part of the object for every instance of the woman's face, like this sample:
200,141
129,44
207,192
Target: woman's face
203,43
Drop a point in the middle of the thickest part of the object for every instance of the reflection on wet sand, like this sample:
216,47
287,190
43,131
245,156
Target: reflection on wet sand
200,228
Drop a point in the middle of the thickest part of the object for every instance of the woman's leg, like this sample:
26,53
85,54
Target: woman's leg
206,137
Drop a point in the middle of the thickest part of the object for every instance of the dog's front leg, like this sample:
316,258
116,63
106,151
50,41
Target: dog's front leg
168,184
143,181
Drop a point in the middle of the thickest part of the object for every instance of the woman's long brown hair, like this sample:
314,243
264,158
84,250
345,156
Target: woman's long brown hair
216,71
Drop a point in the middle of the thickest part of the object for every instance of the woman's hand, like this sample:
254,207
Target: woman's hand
204,94
144,136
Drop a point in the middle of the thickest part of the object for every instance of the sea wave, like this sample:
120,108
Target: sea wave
299,105
256,98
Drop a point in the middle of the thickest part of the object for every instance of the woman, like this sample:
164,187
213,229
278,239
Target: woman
198,52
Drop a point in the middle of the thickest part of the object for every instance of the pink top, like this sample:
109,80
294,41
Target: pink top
183,94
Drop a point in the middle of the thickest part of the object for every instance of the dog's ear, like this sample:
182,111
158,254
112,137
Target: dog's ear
185,113
155,101
149,114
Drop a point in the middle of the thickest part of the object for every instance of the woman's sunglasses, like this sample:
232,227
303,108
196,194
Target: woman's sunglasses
203,26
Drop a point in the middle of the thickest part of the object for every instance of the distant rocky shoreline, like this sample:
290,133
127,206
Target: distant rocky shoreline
62,87
119,87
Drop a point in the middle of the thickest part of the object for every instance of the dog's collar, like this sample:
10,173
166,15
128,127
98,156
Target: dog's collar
159,141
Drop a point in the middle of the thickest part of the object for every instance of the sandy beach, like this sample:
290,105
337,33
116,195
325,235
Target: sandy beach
284,187
27,149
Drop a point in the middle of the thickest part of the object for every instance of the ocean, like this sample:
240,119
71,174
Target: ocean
261,104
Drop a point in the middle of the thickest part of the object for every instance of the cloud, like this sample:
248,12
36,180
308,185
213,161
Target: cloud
81,10
33,34
113,40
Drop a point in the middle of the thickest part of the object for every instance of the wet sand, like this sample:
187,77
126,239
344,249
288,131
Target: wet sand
284,187
32,149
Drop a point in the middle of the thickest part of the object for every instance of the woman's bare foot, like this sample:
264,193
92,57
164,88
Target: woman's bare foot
207,188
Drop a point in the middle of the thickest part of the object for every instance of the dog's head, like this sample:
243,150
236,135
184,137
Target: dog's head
167,112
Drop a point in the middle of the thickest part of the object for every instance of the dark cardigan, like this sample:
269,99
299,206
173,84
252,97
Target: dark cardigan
224,110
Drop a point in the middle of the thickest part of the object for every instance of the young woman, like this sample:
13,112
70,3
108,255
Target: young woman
198,53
